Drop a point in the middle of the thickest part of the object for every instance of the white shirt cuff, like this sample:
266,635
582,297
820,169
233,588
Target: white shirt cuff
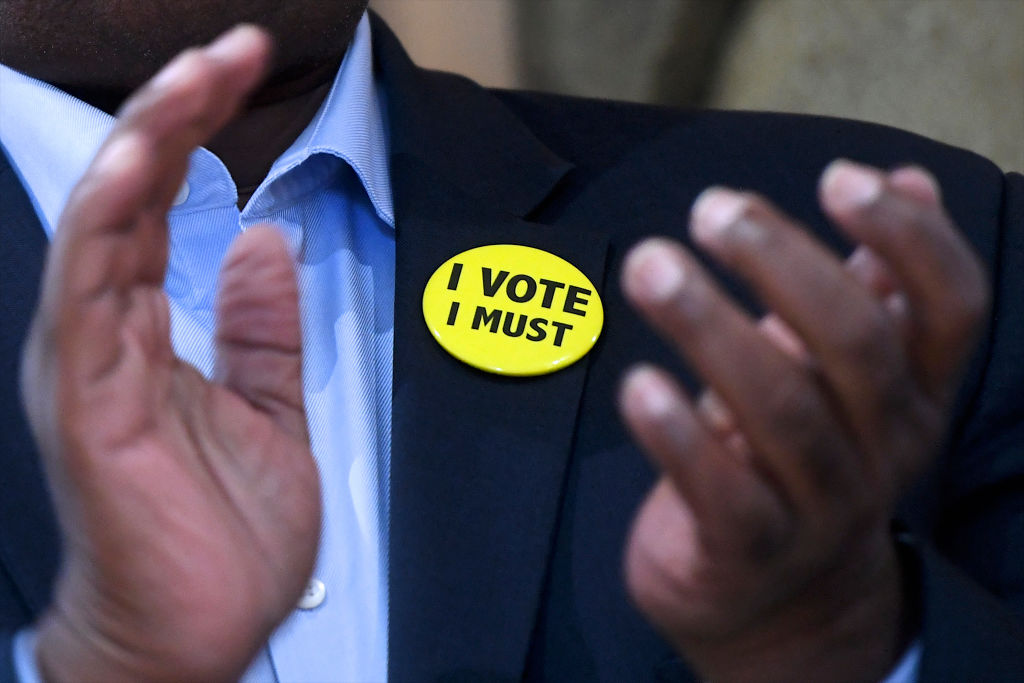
24,646
907,669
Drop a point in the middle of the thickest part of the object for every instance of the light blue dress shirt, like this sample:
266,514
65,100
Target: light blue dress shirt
330,195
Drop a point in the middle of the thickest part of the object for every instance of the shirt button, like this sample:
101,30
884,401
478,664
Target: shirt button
182,195
313,595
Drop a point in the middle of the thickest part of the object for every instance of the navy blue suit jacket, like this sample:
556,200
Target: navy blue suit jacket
511,497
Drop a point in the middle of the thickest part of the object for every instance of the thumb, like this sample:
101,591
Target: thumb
259,338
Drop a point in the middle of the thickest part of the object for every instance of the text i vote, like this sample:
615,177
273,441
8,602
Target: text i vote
512,309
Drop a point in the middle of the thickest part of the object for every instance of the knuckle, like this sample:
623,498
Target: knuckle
799,420
867,338
870,344
792,403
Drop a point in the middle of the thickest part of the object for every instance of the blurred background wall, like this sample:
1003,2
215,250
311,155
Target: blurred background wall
949,69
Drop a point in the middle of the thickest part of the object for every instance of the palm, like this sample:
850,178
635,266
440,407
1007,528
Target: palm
190,508
233,495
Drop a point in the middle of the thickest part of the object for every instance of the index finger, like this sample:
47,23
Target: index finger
112,234
141,164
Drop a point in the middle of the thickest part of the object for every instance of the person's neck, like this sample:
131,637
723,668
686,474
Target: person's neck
274,117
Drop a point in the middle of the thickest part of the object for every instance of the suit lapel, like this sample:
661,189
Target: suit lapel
29,543
478,460
478,463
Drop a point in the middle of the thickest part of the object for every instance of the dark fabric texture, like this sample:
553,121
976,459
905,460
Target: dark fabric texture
511,498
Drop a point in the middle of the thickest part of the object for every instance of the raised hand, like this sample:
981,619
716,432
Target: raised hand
189,509
764,551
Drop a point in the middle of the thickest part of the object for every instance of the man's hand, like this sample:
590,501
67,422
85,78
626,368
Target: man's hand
190,509
764,552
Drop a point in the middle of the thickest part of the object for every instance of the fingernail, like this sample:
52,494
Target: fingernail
228,45
649,393
850,186
658,275
714,211
920,183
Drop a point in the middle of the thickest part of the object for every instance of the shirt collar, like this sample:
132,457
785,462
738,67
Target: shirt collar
50,136
349,125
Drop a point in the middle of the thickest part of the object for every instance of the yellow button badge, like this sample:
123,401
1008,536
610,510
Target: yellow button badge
512,310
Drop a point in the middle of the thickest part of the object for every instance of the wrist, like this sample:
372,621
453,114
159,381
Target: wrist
64,652
851,623
105,632
81,645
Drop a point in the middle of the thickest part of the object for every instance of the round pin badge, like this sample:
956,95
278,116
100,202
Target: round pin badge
512,310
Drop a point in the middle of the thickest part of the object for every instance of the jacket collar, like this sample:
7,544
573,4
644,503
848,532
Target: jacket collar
437,117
